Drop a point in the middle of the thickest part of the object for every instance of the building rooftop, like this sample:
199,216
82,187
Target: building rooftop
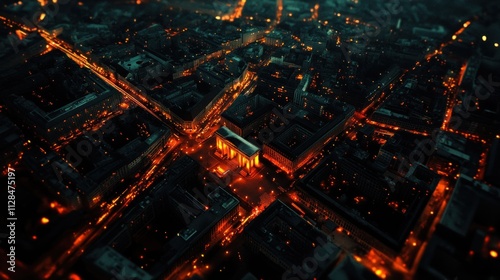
465,243
305,129
246,109
221,204
349,269
271,230
113,264
243,145
393,207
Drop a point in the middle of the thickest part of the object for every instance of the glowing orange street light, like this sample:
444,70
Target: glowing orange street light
45,220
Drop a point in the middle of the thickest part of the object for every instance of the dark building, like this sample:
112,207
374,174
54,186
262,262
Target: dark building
412,108
180,173
191,99
304,136
466,242
248,114
278,83
286,239
11,141
378,208
492,175
69,118
95,165
106,263
133,224
203,229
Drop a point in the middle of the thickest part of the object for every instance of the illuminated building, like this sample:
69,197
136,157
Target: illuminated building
251,35
275,39
106,263
471,70
301,90
230,145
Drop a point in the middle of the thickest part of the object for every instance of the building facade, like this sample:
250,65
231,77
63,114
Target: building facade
230,145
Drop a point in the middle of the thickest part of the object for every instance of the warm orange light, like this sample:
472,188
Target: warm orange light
21,34
493,254
45,220
74,276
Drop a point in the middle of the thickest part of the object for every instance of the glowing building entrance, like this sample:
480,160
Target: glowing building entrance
231,145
